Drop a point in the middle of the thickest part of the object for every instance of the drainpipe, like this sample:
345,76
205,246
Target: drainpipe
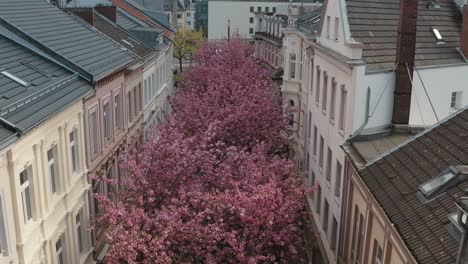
366,120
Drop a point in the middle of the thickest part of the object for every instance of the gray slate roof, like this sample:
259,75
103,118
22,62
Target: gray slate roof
122,36
65,35
51,87
394,180
125,21
375,24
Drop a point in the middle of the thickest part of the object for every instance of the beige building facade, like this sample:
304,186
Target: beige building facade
44,191
369,235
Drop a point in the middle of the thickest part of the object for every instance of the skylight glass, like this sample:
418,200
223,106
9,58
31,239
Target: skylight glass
14,78
434,184
437,34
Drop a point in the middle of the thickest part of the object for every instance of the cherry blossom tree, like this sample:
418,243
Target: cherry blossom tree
212,188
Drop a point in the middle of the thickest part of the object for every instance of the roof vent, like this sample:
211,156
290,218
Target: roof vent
14,78
444,181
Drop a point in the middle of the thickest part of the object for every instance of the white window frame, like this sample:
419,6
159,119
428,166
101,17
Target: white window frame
80,235
53,169
23,187
4,245
60,252
94,139
107,119
74,153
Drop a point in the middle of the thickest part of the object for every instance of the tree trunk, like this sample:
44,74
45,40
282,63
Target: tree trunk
180,63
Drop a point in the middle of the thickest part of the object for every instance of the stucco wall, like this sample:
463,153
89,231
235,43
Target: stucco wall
53,213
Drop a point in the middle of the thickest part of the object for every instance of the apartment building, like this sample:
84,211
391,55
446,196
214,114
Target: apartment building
407,196
185,12
239,15
360,82
44,203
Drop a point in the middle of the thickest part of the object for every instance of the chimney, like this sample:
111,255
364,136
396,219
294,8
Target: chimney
406,45
110,12
464,31
87,14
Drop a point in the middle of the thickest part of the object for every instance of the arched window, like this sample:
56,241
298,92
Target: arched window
291,103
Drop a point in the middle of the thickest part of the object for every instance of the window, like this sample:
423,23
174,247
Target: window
179,16
337,25
72,137
147,92
259,9
343,108
338,179
135,103
334,234
79,231
315,141
308,162
189,14
317,91
332,100
274,9
455,100
251,19
292,66
94,132
321,153
53,171
251,9
110,176
59,250
251,30
99,189
130,106
319,199
117,106
189,23
437,34
26,195
358,235
377,253
107,121
326,209
325,92
267,9
309,126
329,164
3,230
328,27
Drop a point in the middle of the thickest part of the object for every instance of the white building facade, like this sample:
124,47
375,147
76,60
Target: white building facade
240,14
343,82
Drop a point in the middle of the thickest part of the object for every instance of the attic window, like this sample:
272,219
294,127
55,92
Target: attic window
435,186
440,39
433,3
14,78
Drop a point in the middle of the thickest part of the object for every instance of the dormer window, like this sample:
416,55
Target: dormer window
444,181
440,39
14,78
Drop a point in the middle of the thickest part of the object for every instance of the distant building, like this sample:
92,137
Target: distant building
185,13
240,14
201,16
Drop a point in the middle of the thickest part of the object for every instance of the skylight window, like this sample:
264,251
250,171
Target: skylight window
14,78
434,184
440,39
441,183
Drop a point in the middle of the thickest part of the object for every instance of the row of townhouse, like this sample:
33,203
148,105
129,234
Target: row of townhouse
182,14
367,77
78,86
